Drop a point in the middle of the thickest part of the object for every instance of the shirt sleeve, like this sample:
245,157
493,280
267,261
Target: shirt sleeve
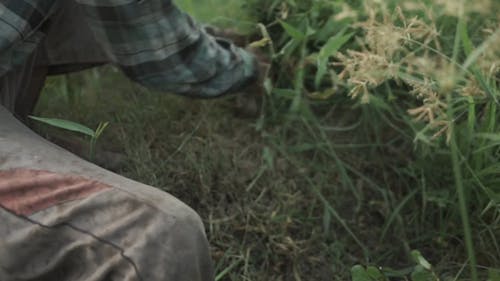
20,22
162,48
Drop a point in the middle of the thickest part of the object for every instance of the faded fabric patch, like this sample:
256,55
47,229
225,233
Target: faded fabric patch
26,191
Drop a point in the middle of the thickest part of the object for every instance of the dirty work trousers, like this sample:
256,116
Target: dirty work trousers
62,218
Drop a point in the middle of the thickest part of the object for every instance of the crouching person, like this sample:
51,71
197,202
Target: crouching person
62,218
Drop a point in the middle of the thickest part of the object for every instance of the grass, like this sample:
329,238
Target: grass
331,176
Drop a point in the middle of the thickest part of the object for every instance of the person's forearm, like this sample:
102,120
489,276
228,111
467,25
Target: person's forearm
160,47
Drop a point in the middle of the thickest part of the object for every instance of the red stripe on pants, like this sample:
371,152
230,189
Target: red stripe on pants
25,191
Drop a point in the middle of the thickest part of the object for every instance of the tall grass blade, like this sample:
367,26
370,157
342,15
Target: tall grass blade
296,34
66,124
331,47
463,206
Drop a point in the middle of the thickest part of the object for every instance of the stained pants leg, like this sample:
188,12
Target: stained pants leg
62,218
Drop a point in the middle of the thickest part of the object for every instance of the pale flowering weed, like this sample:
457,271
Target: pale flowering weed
405,45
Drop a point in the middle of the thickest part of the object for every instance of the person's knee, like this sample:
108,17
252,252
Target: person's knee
189,219
188,232
174,246
190,245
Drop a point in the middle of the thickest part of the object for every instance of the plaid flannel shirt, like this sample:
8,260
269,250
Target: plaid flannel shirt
152,41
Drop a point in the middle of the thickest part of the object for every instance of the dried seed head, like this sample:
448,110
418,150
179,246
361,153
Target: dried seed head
454,8
346,13
472,89
405,49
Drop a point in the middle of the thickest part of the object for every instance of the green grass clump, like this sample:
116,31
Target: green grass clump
418,81
376,156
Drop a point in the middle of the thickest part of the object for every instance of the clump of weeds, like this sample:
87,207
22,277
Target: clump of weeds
422,82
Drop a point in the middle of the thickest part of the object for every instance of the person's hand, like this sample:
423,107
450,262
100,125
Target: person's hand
250,99
238,39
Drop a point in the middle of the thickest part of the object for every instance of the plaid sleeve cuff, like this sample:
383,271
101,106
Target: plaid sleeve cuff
162,48
212,68
250,71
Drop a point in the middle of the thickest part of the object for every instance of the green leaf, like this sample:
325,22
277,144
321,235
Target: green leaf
268,157
326,31
422,274
420,260
296,34
310,31
358,273
268,85
473,53
327,221
102,126
66,124
400,273
375,273
329,49
487,136
396,213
